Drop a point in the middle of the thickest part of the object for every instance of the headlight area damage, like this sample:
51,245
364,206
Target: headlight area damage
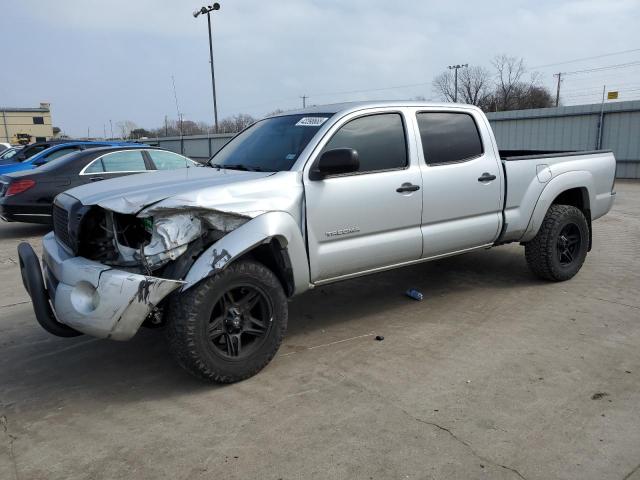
148,242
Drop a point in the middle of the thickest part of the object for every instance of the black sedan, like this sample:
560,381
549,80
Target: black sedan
28,196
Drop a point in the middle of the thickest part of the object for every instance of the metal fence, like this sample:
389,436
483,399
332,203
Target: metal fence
197,147
613,126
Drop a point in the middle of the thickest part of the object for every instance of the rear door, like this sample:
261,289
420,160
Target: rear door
462,179
359,222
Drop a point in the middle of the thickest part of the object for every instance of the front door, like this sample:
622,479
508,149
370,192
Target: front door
368,219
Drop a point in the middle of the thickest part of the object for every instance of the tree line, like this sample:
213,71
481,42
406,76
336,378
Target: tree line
508,87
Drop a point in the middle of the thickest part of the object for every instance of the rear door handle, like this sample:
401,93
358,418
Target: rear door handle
96,179
407,187
486,177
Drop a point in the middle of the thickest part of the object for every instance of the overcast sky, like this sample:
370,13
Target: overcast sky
101,60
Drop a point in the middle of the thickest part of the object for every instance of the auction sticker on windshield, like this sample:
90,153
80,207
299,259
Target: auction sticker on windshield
311,121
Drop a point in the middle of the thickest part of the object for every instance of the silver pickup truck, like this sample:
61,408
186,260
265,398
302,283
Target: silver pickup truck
295,201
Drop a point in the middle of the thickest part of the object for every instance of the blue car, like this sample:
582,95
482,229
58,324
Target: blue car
54,152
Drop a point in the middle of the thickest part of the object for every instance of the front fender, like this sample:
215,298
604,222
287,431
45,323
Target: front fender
262,229
561,183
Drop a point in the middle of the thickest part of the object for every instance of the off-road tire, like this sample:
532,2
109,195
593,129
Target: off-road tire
190,312
541,252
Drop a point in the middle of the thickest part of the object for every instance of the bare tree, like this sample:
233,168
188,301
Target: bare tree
444,85
509,72
474,86
236,123
277,111
509,91
125,127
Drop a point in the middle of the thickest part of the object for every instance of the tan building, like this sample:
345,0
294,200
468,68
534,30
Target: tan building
25,125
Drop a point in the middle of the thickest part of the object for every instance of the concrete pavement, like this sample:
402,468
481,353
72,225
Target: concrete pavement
495,375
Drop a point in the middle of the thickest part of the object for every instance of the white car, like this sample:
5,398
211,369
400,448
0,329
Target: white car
4,146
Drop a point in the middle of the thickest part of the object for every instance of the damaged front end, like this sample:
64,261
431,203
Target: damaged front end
107,272
148,242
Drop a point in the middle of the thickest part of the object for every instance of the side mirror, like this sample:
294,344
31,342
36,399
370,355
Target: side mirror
335,162
37,163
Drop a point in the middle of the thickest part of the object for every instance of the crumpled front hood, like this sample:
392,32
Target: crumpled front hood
245,193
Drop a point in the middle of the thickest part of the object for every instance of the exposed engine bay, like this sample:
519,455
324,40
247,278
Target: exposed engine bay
146,244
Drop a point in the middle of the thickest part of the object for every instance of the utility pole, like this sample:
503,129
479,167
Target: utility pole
111,125
104,131
601,121
208,10
559,75
166,127
304,101
88,134
455,69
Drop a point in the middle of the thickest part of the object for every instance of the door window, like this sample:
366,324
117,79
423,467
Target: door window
168,160
448,137
126,161
379,140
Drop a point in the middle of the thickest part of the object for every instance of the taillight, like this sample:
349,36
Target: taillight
19,187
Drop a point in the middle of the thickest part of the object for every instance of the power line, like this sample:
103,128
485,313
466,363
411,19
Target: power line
587,58
598,69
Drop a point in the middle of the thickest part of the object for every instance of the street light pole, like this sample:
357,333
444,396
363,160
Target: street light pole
208,10
455,69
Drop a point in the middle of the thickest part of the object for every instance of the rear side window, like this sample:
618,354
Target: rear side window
449,137
127,161
379,140
167,160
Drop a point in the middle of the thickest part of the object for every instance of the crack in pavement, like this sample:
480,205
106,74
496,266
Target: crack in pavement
14,304
439,427
466,444
10,439
629,475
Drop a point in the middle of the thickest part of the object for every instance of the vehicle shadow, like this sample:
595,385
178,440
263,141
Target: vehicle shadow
385,292
10,230
46,367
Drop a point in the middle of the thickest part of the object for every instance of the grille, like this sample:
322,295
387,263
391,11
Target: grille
61,225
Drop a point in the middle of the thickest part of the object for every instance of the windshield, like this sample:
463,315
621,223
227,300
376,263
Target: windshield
270,145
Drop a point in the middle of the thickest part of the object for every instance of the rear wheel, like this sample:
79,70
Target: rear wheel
230,326
559,249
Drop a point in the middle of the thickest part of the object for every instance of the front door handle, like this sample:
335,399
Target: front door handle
407,187
486,177
96,179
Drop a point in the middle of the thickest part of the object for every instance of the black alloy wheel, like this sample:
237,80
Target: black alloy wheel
240,321
568,244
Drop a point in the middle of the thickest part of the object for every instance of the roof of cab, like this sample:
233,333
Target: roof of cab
354,106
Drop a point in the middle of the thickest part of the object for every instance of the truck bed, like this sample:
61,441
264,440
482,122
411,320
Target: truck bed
531,178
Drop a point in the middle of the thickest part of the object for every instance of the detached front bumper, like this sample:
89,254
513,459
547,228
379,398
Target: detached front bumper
87,296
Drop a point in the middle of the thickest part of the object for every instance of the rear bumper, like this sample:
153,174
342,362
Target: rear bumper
90,297
21,213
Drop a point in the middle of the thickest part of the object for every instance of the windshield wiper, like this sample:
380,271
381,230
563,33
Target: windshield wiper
239,166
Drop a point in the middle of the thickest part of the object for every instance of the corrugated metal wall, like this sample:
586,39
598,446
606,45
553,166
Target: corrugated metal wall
197,147
574,128
563,128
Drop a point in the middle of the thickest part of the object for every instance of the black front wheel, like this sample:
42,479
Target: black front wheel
559,249
230,326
